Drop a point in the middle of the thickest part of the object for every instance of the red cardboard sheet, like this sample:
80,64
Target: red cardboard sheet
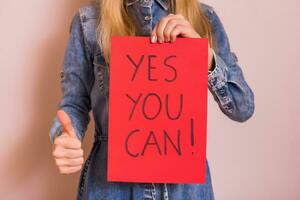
157,110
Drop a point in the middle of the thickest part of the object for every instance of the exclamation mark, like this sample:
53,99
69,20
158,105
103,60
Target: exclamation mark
192,134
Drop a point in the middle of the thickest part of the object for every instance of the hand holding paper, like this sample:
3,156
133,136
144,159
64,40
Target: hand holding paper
174,25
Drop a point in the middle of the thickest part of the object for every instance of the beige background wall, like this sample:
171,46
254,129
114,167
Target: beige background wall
258,159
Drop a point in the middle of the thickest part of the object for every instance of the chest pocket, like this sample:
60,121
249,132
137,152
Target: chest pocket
101,73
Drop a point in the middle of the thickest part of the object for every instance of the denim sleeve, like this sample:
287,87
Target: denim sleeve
76,81
226,82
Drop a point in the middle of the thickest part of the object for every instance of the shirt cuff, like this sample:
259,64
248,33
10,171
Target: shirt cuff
217,77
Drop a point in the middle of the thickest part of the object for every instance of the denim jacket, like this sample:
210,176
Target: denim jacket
85,87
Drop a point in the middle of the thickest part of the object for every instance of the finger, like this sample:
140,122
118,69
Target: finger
67,142
161,26
154,36
69,170
60,152
66,123
172,23
63,162
179,30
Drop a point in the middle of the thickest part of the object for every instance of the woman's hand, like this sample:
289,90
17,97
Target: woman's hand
67,150
172,26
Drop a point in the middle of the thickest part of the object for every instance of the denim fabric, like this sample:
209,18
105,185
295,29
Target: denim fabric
85,87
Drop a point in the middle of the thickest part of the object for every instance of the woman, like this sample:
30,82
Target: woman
84,81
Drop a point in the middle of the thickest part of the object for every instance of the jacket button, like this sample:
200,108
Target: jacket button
148,17
84,19
62,74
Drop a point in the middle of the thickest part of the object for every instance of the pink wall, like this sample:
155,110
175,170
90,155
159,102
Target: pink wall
258,159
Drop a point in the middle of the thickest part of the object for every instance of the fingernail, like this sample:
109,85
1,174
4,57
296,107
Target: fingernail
153,38
160,40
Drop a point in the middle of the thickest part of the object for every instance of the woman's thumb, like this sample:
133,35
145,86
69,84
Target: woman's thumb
66,123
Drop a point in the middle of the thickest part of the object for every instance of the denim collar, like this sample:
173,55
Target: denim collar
163,3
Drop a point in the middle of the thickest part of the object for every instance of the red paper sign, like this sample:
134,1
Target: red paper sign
157,110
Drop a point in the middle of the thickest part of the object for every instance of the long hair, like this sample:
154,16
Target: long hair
114,20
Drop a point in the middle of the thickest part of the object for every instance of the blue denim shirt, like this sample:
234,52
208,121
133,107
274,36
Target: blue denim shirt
85,87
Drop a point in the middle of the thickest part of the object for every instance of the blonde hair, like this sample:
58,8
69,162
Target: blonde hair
114,20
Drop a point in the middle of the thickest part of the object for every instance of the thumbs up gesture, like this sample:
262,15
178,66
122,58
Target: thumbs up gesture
67,149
